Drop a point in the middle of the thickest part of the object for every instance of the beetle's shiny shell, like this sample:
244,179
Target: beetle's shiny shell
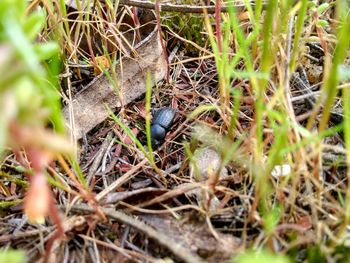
164,117
157,132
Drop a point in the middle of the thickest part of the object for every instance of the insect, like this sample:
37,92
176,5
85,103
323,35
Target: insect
161,123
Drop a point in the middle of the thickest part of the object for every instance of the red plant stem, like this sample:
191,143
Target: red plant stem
38,160
135,18
218,23
162,42
320,34
55,216
136,22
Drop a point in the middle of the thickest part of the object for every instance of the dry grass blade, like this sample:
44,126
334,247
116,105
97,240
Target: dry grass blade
127,176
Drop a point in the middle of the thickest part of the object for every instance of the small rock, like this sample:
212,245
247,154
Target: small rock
208,162
281,171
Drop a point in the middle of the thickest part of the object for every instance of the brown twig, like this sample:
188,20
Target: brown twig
120,180
175,192
175,247
168,7
23,235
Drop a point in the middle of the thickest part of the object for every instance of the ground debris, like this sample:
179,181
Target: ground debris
196,237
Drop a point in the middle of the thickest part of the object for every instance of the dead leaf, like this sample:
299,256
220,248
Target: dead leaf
100,64
88,107
305,222
127,140
196,237
145,193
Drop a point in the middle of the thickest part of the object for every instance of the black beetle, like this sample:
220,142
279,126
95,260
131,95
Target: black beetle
161,123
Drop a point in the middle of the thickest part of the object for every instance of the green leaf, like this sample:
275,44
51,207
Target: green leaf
272,218
315,254
260,257
12,256
33,25
15,7
200,109
312,4
23,47
322,23
8,109
322,8
46,50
